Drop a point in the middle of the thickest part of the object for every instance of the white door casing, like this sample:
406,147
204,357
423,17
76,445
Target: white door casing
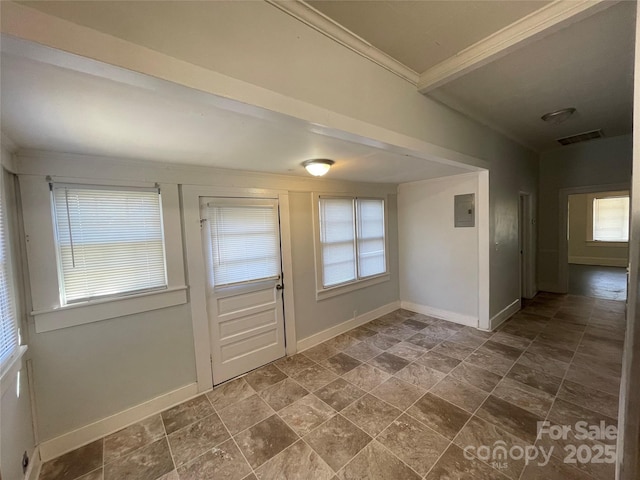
197,276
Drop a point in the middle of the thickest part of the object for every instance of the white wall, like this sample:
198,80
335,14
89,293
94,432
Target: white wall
598,162
87,372
439,271
255,53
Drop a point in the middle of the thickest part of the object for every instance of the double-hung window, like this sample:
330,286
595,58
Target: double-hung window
110,241
8,321
352,239
611,218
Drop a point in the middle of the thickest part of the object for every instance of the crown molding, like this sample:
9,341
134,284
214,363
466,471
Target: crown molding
308,15
549,19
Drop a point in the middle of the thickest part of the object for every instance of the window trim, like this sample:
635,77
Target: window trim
18,349
39,227
323,292
63,300
590,242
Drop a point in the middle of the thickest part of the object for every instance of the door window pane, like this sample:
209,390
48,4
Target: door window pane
244,242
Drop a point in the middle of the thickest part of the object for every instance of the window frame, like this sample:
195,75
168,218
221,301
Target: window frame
591,197
39,225
10,365
323,292
63,296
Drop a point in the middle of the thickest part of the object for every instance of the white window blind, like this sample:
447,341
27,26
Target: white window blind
337,237
611,219
352,239
110,241
8,323
371,256
244,241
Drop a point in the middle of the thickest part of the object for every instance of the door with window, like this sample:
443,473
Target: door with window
241,241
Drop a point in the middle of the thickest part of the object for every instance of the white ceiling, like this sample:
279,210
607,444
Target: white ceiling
587,64
421,34
47,107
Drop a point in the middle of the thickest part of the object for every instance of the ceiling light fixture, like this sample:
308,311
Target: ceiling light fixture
318,166
558,116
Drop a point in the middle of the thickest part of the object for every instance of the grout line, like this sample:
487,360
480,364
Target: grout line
231,437
560,387
474,414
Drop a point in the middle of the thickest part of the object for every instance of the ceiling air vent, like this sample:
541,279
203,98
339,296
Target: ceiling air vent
581,137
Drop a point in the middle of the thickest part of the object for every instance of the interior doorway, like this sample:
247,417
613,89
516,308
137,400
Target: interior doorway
526,245
597,233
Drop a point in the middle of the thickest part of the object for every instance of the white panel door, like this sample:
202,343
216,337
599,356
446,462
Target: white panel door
241,239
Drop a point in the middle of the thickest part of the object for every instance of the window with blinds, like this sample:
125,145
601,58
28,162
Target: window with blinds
244,241
611,219
8,321
110,241
352,239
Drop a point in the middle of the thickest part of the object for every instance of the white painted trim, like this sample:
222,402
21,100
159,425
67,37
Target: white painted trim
35,465
601,261
442,314
539,24
11,369
484,250
76,438
79,314
291,344
196,274
329,333
308,15
504,314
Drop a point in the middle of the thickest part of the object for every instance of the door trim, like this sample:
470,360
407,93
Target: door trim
526,229
196,275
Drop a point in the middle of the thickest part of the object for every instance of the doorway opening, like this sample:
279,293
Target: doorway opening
598,243
526,246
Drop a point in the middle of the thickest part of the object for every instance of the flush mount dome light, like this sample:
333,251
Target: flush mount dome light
558,116
318,166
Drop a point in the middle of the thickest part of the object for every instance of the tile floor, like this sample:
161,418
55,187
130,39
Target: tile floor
597,281
398,398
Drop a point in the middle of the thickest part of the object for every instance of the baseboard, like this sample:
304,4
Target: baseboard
35,464
506,313
600,261
329,333
83,435
442,314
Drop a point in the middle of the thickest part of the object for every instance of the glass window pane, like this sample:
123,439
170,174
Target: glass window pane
337,239
110,241
244,242
611,219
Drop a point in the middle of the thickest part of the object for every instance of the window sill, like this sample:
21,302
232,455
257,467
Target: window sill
95,311
599,243
350,287
11,369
